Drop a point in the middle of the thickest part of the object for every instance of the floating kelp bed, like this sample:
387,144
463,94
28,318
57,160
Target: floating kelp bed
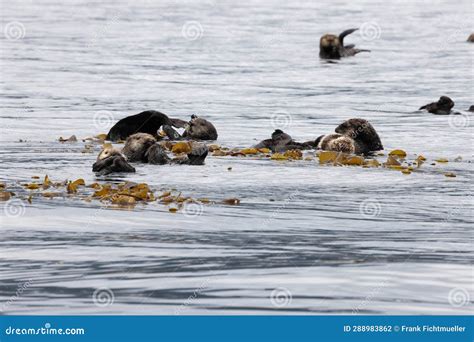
122,195
130,194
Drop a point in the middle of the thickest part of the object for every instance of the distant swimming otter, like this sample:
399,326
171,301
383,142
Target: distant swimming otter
281,141
470,39
145,122
111,160
143,147
197,128
442,107
332,46
471,109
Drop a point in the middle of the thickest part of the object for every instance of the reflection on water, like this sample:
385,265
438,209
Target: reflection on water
306,238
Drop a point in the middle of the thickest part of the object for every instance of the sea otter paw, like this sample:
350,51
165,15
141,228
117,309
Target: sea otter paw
171,133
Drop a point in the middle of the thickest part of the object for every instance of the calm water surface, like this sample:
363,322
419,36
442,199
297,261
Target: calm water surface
298,243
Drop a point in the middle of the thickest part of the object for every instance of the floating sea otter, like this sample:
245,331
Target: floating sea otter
470,39
143,147
332,46
150,122
442,107
111,160
281,142
352,136
197,128
471,109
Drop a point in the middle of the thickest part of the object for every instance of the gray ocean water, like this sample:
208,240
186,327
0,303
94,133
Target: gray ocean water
306,239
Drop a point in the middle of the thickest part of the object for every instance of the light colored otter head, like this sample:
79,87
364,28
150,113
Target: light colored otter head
200,129
107,151
330,46
336,142
136,146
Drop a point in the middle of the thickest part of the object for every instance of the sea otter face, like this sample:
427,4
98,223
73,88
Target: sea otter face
107,151
330,46
445,103
200,129
137,145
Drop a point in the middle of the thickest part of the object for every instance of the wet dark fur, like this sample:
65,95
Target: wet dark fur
471,109
442,107
197,129
281,142
332,46
156,154
142,147
137,145
115,162
149,122
365,137
470,39
197,155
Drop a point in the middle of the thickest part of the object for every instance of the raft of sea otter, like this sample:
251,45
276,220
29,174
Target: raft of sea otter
141,131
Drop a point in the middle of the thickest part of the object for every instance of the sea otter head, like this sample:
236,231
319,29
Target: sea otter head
330,46
108,151
136,146
362,132
445,102
200,129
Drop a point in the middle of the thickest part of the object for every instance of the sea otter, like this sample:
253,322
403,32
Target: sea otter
111,160
353,136
145,122
442,107
470,39
281,142
197,128
471,109
332,46
143,147
150,122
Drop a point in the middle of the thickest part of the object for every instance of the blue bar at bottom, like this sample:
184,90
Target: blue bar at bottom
236,328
